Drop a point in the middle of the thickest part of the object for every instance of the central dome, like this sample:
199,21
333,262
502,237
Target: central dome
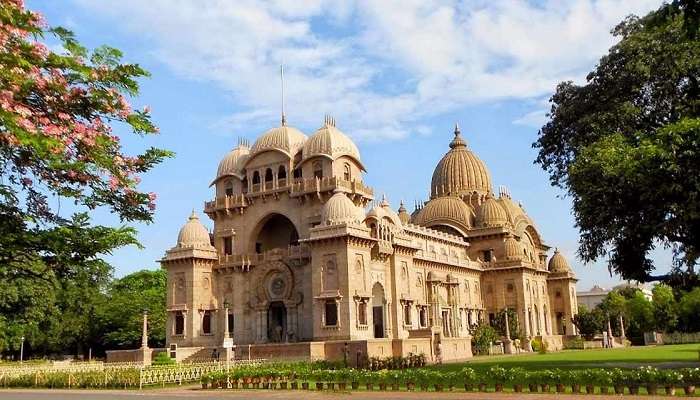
284,138
460,172
329,141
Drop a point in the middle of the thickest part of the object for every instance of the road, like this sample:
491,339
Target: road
194,393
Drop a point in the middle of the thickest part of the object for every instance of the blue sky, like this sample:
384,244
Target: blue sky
396,75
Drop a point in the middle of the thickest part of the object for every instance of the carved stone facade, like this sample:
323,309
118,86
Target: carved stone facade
301,256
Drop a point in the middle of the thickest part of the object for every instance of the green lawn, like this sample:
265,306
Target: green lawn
631,357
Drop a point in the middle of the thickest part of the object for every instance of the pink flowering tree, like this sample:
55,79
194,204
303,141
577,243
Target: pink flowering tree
57,110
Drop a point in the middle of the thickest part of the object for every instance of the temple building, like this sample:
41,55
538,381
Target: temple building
303,261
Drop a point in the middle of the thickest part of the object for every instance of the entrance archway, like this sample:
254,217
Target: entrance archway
276,322
378,310
275,231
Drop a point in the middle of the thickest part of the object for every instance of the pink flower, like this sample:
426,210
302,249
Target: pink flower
26,181
147,109
152,196
113,183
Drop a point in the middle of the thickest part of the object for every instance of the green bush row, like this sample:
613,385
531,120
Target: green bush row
496,376
115,379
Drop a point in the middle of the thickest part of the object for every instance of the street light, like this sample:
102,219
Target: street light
21,350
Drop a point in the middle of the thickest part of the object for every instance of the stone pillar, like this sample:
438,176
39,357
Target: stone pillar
507,343
622,330
144,331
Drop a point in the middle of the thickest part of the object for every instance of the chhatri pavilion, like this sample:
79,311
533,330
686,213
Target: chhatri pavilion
303,261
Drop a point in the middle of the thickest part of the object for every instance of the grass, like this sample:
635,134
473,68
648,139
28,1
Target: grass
629,357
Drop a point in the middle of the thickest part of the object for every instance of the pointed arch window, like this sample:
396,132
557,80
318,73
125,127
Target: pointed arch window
347,173
281,176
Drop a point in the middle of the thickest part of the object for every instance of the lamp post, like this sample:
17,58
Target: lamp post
21,350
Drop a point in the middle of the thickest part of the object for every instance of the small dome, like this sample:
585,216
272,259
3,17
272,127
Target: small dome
284,138
460,172
328,141
404,216
512,249
193,234
232,164
558,263
340,209
490,214
451,211
514,213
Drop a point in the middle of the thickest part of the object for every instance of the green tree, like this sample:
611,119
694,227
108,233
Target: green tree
689,310
120,316
590,322
626,145
499,323
56,143
640,316
665,308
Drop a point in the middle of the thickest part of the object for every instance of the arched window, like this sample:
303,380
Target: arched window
229,187
206,323
297,173
245,185
179,323
268,175
318,170
346,172
256,178
281,173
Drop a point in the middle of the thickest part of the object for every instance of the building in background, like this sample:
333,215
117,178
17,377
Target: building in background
304,262
596,294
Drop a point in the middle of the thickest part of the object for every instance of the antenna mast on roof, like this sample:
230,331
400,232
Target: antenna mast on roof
284,119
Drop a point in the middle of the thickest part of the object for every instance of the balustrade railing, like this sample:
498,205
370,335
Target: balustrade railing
239,260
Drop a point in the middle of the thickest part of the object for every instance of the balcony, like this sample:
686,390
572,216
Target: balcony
225,203
294,254
302,187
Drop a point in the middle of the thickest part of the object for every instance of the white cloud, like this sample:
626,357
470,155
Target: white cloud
443,55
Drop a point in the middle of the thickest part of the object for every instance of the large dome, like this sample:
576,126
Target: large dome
329,141
460,172
340,209
193,234
490,213
558,263
450,211
284,138
232,163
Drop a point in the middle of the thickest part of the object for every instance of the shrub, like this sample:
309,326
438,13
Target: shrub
468,376
576,343
163,359
648,375
482,338
497,375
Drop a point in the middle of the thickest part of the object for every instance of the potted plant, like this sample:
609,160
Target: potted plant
499,376
533,379
368,378
619,378
423,379
382,379
342,376
205,381
669,379
549,376
319,376
691,378
469,378
394,379
649,376
589,378
603,378
633,380
451,379
517,377
575,378
409,378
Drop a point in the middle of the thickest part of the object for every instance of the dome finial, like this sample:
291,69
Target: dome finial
284,118
193,215
457,141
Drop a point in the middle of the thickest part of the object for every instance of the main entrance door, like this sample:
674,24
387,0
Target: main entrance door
277,322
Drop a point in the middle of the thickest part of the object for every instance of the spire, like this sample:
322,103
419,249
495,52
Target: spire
457,141
284,118
193,215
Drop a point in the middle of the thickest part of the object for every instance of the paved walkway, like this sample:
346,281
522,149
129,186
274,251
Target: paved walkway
192,392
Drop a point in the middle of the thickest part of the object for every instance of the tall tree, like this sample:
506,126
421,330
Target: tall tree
665,308
626,145
56,142
120,315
